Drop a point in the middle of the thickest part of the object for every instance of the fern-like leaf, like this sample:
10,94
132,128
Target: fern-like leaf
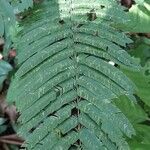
65,87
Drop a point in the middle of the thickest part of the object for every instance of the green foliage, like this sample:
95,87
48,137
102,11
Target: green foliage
139,114
2,126
141,50
142,78
21,5
65,87
4,70
7,17
7,20
137,117
8,9
139,18
142,81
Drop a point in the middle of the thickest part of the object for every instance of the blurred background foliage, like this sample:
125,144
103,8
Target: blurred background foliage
139,113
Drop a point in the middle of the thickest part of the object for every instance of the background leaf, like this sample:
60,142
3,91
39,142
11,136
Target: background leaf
139,18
